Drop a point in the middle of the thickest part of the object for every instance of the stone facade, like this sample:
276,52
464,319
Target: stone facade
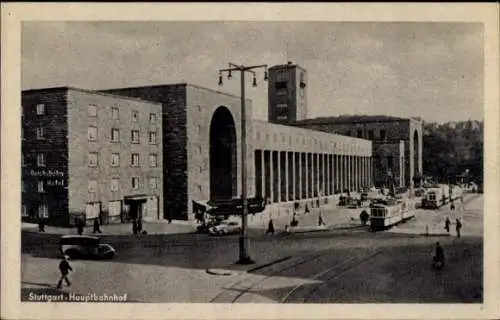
79,151
379,129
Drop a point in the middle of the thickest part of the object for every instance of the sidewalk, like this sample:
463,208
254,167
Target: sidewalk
151,227
334,217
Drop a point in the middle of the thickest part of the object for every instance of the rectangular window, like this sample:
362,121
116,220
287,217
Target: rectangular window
152,118
24,212
134,161
153,183
152,137
135,136
153,160
115,184
40,159
135,116
92,110
115,114
39,133
282,105
281,85
382,135
281,92
40,109
115,160
135,183
92,133
115,135
92,157
41,186
43,210
370,134
92,186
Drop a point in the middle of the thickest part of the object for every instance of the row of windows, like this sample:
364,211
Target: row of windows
115,135
298,140
114,186
42,211
92,112
115,160
41,160
92,135
371,135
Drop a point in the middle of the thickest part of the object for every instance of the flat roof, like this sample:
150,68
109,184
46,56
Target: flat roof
185,84
94,92
351,119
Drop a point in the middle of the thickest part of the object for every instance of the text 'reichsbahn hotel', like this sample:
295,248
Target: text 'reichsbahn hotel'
151,151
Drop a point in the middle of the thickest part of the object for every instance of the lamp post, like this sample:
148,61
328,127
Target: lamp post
243,239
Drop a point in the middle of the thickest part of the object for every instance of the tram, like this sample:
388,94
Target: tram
440,195
385,214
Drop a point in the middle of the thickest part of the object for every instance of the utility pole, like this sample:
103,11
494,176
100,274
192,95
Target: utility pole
244,257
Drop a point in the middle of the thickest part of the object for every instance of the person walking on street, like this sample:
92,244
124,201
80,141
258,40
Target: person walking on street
134,226
439,255
97,226
79,226
270,227
447,223
64,268
320,220
452,206
139,225
458,227
41,225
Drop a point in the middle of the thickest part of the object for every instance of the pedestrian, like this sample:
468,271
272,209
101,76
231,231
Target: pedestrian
139,225
270,227
317,203
458,227
320,220
447,223
41,224
439,256
306,209
97,226
452,206
134,226
79,226
364,217
64,268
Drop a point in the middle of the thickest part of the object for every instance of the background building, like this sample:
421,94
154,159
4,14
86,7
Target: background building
92,155
287,94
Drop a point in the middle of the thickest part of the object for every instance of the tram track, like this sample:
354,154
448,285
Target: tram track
220,297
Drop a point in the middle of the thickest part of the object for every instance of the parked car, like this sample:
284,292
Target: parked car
76,246
225,227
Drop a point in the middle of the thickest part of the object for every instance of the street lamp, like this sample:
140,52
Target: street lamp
243,239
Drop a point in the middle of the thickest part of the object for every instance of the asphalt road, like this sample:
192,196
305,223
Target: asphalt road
337,266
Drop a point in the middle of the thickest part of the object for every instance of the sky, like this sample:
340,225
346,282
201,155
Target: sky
430,70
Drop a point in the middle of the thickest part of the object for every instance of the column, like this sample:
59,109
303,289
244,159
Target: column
298,176
263,176
278,172
287,180
268,178
341,168
326,164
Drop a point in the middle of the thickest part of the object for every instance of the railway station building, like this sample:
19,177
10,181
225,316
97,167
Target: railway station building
198,149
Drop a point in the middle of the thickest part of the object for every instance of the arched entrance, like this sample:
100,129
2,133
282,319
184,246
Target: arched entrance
416,148
223,167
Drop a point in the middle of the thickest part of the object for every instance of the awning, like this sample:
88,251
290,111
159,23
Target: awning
138,197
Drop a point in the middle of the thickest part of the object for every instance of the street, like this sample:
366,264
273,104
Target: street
336,266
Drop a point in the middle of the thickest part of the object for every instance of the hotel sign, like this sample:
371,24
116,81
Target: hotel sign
55,178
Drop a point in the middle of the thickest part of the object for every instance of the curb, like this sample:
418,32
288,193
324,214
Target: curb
226,272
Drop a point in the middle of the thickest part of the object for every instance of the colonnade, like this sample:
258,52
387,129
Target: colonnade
286,176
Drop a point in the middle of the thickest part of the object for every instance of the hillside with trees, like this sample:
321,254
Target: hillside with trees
453,148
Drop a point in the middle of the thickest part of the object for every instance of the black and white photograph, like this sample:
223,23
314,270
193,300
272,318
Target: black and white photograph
234,161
